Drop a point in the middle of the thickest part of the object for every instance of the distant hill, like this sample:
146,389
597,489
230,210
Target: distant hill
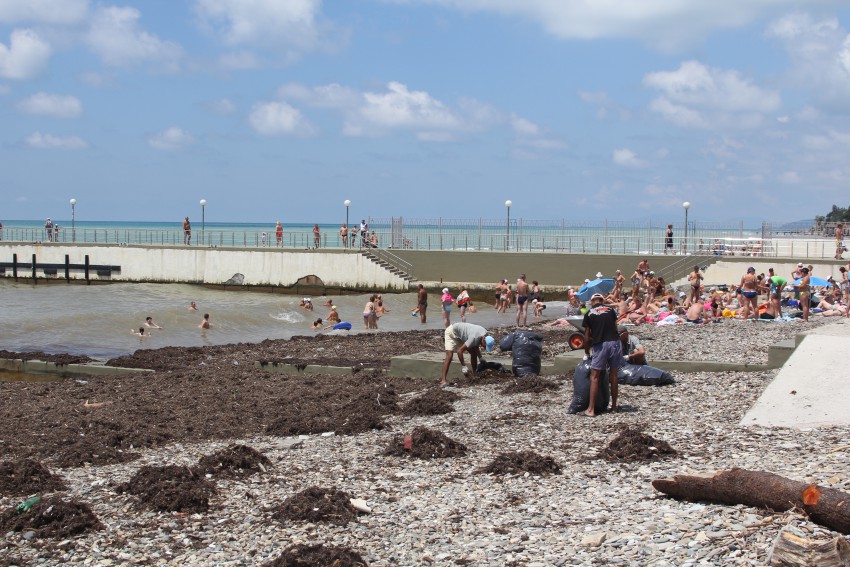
795,226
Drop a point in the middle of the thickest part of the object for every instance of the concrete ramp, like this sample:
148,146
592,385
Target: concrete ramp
813,388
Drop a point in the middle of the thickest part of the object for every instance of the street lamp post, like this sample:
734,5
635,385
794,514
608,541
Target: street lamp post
203,221
347,204
686,205
73,219
508,204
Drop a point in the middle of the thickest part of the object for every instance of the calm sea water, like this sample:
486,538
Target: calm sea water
97,320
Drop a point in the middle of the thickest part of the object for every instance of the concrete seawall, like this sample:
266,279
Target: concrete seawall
287,270
261,268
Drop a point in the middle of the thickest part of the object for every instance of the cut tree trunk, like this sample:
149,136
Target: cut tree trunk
791,550
826,506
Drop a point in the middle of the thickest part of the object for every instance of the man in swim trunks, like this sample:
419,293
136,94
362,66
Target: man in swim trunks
422,303
668,240
278,232
462,337
187,232
839,241
521,301
750,294
697,313
695,278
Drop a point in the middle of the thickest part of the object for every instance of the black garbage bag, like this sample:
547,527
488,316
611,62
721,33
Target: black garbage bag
643,375
526,347
581,389
485,365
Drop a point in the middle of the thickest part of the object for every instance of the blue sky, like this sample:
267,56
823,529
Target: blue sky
424,108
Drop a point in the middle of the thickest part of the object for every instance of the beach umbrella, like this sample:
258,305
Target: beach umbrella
816,282
601,285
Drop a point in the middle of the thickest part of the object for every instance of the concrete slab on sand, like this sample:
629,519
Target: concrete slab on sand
816,374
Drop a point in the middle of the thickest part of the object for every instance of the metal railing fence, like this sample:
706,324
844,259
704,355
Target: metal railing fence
472,235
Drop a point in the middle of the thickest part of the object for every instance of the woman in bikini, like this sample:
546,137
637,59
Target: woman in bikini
750,294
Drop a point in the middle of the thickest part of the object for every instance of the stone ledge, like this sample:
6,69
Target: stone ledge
60,369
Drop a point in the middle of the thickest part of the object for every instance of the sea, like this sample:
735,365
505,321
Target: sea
99,321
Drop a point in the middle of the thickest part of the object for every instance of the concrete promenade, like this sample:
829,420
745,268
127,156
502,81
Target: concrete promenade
813,387
288,270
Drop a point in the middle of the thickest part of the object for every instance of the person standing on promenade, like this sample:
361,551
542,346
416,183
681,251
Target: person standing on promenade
317,236
48,226
278,233
187,232
422,303
343,235
446,301
522,293
462,337
364,230
750,293
600,331
839,241
668,240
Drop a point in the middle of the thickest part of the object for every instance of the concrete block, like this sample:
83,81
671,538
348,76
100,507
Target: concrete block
62,370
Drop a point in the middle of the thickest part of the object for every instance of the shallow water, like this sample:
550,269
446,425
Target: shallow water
97,320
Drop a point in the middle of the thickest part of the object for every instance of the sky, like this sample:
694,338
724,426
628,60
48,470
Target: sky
283,109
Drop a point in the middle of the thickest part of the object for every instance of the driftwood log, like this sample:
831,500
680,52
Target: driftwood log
826,506
790,550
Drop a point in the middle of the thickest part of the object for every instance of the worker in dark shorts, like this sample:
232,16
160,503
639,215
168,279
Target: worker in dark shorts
600,330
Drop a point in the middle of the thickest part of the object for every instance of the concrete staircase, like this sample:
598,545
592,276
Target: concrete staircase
391,263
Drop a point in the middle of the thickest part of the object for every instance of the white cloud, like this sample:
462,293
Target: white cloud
116,37
239,60
51,142
667,24
25,57
171,139
524,126
783,119
399,108
221,106
698,96
279,118
325,96
790,177
531,135
52,105
63,12
625,157
291,27
820,56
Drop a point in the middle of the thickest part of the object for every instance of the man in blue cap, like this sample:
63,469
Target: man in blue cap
462,337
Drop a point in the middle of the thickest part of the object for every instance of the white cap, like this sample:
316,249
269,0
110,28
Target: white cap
598,274
445,290
586,281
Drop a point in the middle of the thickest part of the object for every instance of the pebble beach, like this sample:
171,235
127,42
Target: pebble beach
446,511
